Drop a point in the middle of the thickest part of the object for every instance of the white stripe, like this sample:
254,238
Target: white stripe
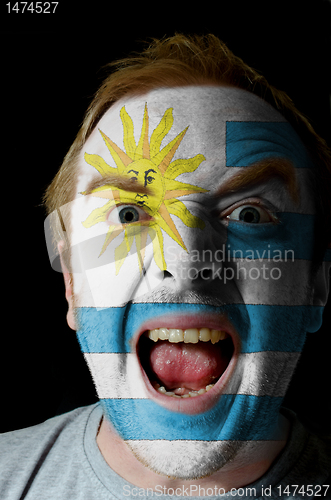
193,459
262,373
258,281
257,374
116,375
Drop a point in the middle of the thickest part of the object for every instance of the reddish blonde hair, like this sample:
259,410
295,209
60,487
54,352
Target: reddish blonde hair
181,61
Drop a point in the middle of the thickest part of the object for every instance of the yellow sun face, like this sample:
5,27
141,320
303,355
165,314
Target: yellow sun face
150,166
147,174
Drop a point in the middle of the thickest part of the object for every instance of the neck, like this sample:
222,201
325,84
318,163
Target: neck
248,466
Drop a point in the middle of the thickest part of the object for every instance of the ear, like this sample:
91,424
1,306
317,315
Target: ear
68,287
321,286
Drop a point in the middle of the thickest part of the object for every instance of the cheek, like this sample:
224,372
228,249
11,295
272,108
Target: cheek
272,263
272,282
103,286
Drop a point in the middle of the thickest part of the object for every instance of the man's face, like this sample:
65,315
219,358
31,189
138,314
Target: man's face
192,237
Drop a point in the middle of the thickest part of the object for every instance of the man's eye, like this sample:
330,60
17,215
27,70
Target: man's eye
126,214
251,215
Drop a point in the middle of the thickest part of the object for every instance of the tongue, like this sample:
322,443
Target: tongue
191,366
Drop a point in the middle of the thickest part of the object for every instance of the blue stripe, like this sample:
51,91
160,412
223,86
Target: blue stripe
250,142
261,327
291,239
144,419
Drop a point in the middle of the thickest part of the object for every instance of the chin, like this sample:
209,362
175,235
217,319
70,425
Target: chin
186,460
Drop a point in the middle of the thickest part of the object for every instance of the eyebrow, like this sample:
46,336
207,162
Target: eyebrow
261,172
119,182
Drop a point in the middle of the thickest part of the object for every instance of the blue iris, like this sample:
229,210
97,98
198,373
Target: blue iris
250,215
128,214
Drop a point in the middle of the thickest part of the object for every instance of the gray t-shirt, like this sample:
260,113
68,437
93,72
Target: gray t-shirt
60,460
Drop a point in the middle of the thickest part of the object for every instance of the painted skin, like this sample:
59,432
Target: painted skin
262,315
158,174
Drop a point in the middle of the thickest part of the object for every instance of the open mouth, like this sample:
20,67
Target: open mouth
184,363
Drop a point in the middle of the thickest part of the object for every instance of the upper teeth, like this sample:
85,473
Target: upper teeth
190,335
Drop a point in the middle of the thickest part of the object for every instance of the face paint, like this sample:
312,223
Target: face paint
249,142
197,133
152,167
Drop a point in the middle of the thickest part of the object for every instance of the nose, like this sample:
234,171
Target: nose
195,273
200,265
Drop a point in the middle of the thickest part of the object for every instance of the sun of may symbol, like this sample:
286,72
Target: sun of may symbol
152,168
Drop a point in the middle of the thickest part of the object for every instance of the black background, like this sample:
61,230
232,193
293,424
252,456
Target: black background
50,67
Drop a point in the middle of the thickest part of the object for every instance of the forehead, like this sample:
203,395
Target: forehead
229,126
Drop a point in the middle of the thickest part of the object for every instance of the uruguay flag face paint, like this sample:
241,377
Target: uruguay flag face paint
192,239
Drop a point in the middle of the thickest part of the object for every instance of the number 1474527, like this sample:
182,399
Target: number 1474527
32,7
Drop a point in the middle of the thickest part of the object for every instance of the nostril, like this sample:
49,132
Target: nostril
166,274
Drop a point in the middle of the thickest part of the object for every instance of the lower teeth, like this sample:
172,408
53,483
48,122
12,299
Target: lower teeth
191,394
